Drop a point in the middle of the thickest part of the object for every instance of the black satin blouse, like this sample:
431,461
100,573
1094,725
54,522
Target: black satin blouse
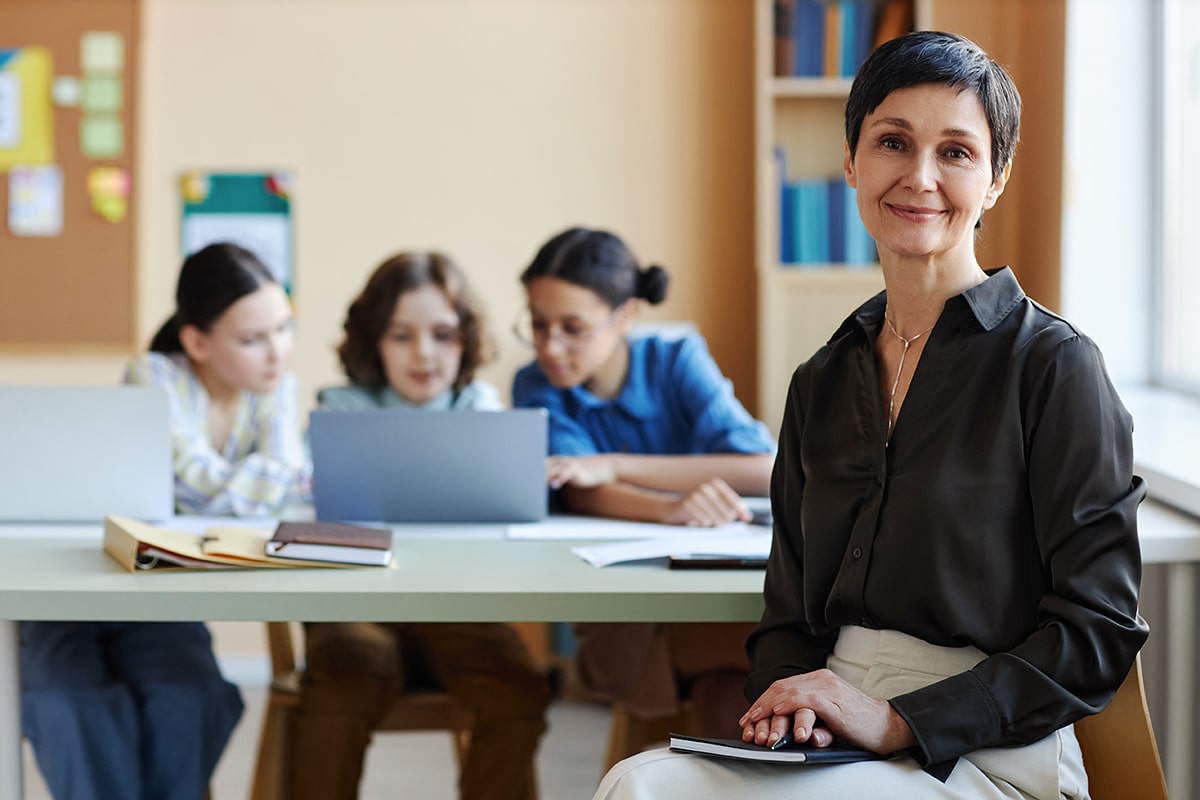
1001,515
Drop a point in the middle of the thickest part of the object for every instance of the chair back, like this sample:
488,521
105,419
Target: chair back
1119,749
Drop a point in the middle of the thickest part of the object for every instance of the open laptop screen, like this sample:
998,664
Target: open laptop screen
78,453
397,465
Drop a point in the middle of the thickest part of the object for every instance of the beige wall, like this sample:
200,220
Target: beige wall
477,126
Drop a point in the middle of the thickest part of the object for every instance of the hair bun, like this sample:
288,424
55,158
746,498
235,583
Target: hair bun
652,284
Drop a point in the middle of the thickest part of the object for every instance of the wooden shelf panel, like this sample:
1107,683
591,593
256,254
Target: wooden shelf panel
810,87
799,309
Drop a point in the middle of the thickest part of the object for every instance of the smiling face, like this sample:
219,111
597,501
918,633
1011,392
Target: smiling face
247,347
923,173
422,346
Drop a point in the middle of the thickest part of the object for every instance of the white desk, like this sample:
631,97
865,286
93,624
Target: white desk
455,573
443,574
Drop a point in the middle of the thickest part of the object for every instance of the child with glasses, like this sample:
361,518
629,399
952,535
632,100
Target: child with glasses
643,428
414,338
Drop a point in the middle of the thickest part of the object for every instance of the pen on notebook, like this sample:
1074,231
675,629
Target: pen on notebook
783,741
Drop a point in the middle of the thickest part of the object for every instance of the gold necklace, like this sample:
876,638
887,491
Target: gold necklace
899,369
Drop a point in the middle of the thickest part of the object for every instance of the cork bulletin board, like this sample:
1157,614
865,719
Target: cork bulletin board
68,100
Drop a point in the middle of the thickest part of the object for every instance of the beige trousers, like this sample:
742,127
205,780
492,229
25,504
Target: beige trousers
882,664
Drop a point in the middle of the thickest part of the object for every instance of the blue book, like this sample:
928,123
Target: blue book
848,37
864,33
821,223
837,220
789,222
787,215
809,35
860,247
811,213
787,252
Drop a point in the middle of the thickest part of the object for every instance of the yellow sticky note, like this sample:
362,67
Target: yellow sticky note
101,136
108,180
102,51
102,93
111,208
109,188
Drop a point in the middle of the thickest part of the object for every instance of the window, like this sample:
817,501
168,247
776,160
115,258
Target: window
1178,362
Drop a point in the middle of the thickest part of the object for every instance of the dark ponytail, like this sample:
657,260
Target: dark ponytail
652,284
167,338
599,261
210,281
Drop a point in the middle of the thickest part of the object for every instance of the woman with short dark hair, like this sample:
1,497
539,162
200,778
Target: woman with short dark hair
955,567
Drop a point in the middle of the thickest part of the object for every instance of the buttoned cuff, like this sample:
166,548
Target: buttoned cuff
950,718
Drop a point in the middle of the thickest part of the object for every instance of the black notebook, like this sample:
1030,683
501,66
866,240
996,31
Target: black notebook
836,753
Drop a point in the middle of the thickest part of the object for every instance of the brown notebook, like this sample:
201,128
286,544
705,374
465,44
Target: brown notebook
332,541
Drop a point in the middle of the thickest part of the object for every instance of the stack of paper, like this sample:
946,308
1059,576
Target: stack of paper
750,544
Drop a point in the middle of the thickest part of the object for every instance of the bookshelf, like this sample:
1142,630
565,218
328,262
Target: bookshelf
799,306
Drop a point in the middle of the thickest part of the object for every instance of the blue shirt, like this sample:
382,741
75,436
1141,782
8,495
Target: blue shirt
675,401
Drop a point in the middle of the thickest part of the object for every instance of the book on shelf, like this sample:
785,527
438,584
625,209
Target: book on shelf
819,224
831,38
837,220
787,247
859,247
837,753
811,221
808,33
141,547
784,55
832,42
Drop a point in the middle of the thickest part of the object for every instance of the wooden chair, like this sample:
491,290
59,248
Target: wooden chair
1119,749
1120,752
417,711
630,734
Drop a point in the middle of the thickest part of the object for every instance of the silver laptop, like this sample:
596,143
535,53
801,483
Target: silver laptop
397,465
78,453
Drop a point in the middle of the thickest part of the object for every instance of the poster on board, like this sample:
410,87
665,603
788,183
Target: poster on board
26,113
35,200
249,209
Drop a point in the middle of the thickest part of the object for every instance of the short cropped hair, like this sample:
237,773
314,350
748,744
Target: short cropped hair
923,57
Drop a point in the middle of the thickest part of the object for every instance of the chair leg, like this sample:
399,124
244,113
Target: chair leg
461,740
621,737
270,782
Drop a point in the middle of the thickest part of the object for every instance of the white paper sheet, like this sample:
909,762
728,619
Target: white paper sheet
580,529
752,545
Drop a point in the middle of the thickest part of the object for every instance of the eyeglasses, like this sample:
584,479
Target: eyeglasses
573,334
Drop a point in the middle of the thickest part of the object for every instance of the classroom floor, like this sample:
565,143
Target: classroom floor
417,764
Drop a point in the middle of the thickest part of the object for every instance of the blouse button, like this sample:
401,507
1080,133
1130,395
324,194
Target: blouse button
856,552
